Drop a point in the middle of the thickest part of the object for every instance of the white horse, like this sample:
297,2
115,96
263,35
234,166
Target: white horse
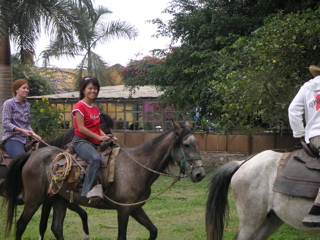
261,211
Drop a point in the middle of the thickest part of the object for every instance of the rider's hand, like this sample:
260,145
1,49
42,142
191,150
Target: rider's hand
26,132
104,138
36,137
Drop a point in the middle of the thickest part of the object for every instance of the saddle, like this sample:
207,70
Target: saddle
6,159
298,173
75,174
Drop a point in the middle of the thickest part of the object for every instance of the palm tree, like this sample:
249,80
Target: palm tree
95,30
23,22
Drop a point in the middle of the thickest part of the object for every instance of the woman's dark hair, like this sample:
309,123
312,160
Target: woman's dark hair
84,83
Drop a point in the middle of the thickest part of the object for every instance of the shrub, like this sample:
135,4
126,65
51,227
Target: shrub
45,119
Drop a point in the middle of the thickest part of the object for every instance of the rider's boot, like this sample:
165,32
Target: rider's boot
313,217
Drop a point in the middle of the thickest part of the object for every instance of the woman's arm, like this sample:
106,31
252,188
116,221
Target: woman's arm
85,131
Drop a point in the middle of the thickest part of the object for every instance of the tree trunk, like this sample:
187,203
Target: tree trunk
6,78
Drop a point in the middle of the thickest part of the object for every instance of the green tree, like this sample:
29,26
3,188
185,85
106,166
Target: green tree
39,84
191,73
266,70
95,30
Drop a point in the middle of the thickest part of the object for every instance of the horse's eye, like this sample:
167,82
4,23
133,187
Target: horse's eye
186,145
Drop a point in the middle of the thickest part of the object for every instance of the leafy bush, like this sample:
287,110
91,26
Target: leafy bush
45,119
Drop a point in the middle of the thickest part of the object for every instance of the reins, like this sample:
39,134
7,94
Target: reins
151,170
176,179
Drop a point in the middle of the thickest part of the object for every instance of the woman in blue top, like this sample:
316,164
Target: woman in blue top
16,119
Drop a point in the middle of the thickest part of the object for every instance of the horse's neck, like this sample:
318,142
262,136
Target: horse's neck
157,156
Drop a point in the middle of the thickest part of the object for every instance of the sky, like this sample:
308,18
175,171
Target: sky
120,51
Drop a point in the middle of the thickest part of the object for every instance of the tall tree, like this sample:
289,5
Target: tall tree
23,22
191,73
94,30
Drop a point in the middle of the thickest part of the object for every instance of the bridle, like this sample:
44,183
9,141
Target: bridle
184,157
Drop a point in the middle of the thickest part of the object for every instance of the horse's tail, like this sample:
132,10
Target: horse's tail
217,203
12,188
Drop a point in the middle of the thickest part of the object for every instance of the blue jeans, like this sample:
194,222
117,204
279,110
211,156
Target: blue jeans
88,153
14,147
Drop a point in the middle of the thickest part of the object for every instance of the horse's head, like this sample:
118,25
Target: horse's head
186,152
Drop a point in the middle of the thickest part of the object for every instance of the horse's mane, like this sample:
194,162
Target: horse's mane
107,122
61,141
185,131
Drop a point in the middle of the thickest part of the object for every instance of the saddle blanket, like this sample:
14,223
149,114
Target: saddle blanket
298,175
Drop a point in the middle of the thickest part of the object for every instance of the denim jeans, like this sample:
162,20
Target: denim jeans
88,153
14,147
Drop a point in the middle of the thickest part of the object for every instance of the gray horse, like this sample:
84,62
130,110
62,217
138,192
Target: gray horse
261,210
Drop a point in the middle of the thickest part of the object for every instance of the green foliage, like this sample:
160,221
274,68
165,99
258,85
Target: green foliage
39,85
92,30
45,119
241,62
265,71
137,70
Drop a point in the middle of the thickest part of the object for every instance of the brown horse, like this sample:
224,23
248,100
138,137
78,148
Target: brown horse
61,141
136,170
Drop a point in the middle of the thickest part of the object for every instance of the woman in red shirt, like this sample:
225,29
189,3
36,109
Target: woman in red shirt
87,134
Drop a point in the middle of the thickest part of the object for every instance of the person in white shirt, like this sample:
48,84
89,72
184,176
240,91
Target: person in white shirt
304,118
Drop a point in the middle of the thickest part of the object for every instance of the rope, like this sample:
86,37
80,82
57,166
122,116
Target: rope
176,178
136,203
40,140
66,169
151,170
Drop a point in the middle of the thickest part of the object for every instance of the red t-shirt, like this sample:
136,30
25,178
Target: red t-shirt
91,115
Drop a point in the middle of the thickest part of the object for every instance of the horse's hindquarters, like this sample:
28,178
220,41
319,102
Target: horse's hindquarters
252,189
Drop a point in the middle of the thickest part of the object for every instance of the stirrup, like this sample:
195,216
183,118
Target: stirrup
311,220
96,191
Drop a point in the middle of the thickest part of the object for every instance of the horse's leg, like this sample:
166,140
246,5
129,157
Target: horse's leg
46,208
59,205
141,217
84,218
269,226
28,212
253,209
123,218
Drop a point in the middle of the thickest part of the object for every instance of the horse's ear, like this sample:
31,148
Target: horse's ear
176,126
187,124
